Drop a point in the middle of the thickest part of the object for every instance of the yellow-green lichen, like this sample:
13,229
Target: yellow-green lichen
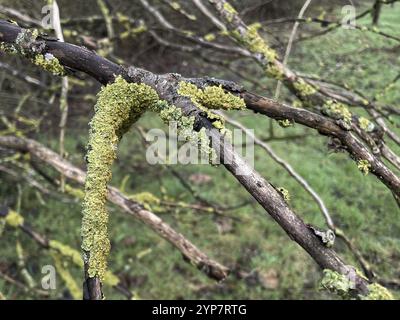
364,166
26,45
338,111
210,37
336,283
303,88
285,123
230,12
274,71
256,44
63,272
177,6
26,38
49,63
76,258
298,104
14,219
377,292
119,105
133,31
146,199
285,193
365,124
211,97
185,129
8,48
67,251
75,192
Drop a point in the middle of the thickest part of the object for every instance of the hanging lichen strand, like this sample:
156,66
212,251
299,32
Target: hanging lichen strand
118,106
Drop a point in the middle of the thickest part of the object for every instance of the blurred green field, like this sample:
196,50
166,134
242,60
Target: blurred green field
278,268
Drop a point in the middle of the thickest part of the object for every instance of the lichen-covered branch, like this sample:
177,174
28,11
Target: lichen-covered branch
119,105
311,96
326,127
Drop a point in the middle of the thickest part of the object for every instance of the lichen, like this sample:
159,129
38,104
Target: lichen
364,166
336,283
210,37
255,43
146,199
26,45
67,251
76,258
177,6
365,124
285,123
25,39
119,105
229,11
185,129
303,88
211,97
134,31
14,219
327,237
8,48
66,276
75,192
49,63
338,111
285,193
365,102
274,71
358,271
377,292
341,285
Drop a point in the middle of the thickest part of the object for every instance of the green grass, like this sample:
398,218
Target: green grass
360,205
